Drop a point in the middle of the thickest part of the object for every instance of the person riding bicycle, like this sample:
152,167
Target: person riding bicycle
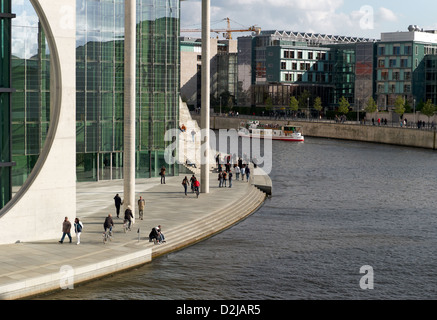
109,223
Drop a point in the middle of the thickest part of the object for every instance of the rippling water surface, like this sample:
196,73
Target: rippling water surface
337,206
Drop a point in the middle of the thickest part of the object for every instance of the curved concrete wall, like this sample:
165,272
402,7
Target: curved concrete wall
37,210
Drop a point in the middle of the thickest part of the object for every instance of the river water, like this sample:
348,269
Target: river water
337,206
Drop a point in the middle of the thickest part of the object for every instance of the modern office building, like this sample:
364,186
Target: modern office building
285,64
99,86
100,89
401,65
63,120
223,65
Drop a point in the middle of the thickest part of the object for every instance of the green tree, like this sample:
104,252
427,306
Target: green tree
269,103
318,104
343,106
371,106
293,104
428,109
303,99
399,106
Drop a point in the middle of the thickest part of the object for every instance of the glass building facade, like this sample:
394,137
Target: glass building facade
100,74
5,102
99,89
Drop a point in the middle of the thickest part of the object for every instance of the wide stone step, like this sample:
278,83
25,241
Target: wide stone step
200,229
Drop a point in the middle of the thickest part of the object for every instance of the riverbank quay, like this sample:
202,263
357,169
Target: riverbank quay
34,268
353,131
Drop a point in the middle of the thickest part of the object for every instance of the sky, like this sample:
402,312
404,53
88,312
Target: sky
335,17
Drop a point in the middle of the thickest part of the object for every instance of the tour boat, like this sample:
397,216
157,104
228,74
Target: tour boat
253,129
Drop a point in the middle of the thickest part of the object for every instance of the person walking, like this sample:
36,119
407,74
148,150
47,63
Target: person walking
192,180
237,172
242,171
66,230
128,216
162,174
118,203
197,187
141,205
230,179
78,226
247,173
225,178
220,179
185,183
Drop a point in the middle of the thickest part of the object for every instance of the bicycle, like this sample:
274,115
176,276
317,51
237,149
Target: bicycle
126,226
107,235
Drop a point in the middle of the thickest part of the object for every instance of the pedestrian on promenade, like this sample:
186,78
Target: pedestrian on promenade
197,187
247,173
225,178
230,179
185,183
141,205
237,172
242,171
193,134
78,226
118,203
109,223
192,179
66,230
162,174
220,179
128,216
240,162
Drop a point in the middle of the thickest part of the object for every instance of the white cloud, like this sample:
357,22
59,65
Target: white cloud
318,16
386,15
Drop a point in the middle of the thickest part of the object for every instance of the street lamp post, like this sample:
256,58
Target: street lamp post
308,106
414,106
205,107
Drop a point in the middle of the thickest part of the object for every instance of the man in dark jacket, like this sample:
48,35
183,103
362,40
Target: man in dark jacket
108,223
118,201
128,216
66,230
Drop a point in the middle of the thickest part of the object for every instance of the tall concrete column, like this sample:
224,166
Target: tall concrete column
205,104
129,103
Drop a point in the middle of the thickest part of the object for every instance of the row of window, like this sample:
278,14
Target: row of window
292,54
306,66
384,75
394,63
396,50
310,77
394,88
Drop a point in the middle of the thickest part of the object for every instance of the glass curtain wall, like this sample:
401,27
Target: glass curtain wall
5,102
31,81
100,77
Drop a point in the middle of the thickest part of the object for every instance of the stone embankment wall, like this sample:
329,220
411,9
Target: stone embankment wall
366,133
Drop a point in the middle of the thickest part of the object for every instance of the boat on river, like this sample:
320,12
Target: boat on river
253,129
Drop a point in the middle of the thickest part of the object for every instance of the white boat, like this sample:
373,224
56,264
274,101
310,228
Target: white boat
253,129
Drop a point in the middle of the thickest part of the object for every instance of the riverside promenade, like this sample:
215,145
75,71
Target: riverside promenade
33,268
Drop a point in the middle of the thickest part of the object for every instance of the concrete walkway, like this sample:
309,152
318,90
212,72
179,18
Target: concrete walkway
28,269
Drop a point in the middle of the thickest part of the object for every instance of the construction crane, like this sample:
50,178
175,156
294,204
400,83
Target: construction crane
227,33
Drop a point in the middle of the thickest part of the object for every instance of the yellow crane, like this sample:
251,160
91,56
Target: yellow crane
227,33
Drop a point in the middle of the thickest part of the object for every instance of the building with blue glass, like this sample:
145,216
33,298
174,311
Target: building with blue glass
62,100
